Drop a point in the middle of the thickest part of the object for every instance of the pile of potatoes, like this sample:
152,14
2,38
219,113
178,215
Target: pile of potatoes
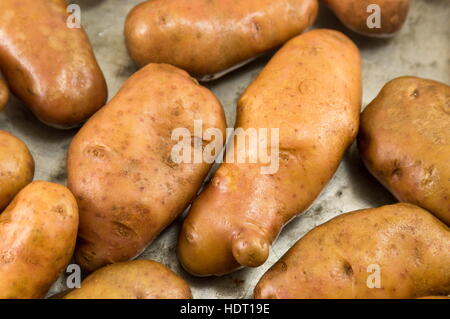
124,186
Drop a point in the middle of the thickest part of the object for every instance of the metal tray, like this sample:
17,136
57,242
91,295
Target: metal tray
422,48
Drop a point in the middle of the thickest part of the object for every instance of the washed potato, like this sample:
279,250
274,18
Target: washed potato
4,94
49,65
121,167
38,231
395,251
209,38
16,167
405,142
237,217
377,18
139,279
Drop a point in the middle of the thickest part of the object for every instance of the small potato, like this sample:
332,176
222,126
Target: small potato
405,142
38,231
209,38
138,279
311,92
395,251
358,15
48,65
16,167
4,94
120,164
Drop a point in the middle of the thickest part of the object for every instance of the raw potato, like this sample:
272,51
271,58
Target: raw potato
48,65
4,94
237,217
405,142
38,231
139,279
208,38
120,166
16,167
355,15
341,258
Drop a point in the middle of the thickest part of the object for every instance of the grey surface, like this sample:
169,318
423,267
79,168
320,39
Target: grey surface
422,48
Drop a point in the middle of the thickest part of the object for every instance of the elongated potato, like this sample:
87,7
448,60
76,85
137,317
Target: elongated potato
361,15
138,279
120,164
395,251
405,142
4,94
311,92
207,37
38,231
48,65
16,167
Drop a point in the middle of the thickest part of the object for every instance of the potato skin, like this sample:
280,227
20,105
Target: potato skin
405,142
49,66
120,167
411,247
138,279
4,94
236,218
37,237
353,14
16,167
207,37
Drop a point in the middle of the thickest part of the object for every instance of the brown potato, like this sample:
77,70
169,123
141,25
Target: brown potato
48,65
208,38
4,94
354,14
402,244
16,167
38,231
237,217
138,279
405,142
120,166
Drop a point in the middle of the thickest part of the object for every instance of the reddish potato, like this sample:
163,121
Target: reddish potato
405,142
37,238
403,245
16,167
120,164
139,279
4,94
48,65
237,217
208,38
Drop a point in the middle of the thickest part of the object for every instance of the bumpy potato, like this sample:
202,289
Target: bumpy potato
120,166
403,244
16,167
354,14
237,217
139,279
38,231
4,94
405,142
48,65
207,37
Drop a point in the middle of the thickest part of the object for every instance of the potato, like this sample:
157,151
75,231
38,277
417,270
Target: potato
139,279
395,251
120,164
37,237
48,65
241,212
405,142
209,38
4,94
357,15
16,167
